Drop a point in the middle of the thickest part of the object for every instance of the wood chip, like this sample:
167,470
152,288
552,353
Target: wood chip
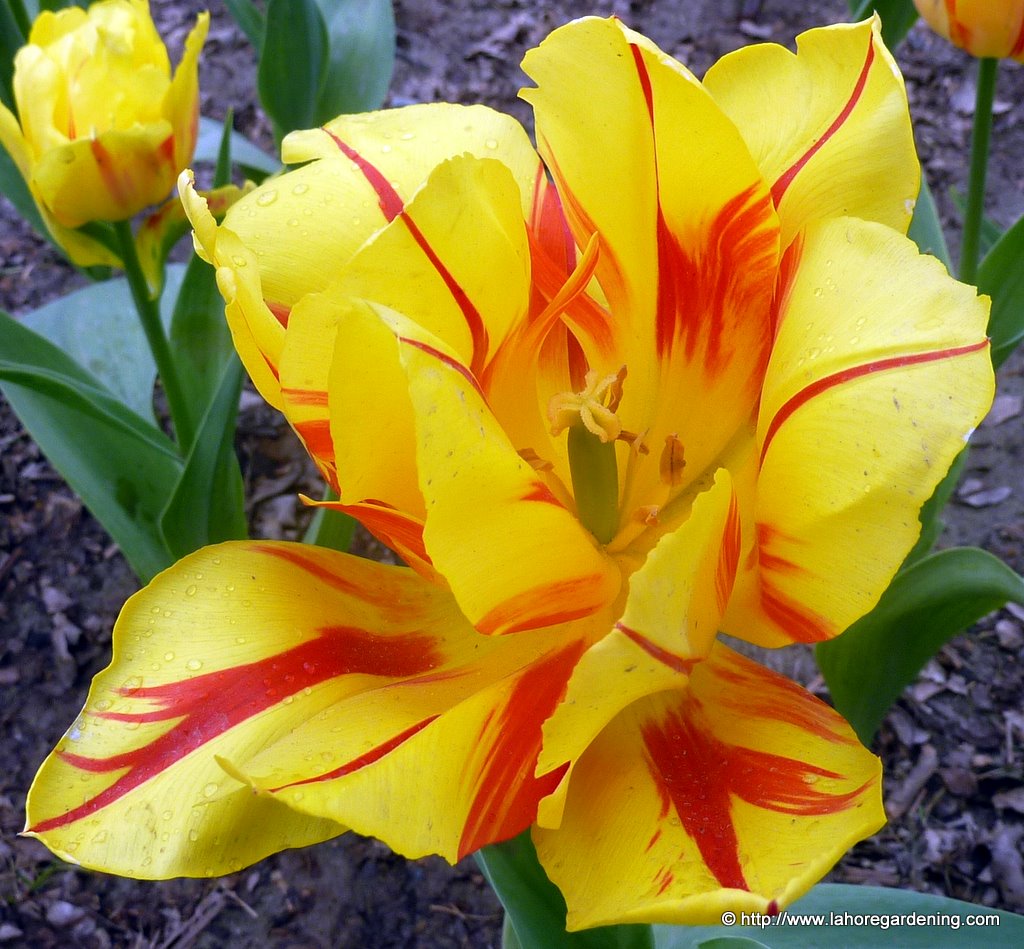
902,798
987,498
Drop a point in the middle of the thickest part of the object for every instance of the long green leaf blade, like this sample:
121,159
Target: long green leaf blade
360,56
122,467
1001,276
926,605
250,21
926,228
293,64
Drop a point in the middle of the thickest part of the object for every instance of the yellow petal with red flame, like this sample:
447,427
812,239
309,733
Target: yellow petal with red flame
829,127
860,419
737,792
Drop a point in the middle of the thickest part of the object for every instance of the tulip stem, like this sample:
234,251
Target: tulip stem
149,315
985,96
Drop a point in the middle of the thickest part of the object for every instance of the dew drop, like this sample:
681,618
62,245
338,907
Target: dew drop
75,734
102,705
240,640
293,222
193,835
190,590
287,700
210,789
167,614
168,656
300,188
267,198
165,836
230,588
813,353
216,561
238,260
408,136
818,291
167,815
385,149
131,684
194,664
100,837
491,143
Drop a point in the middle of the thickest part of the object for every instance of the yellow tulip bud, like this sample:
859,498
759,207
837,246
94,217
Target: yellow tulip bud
102,128
985,28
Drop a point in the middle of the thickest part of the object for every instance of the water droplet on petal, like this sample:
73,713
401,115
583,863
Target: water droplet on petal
238,260
193,835
168,656
194,664
100,837
167,815
491,143
267,197
300,188
818,291
385,148
210,789
190,590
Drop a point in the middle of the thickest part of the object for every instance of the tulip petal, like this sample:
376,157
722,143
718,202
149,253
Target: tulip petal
736,793
256,331
182,104
829,127
469,732
109,178
688,264
225,654
676,600
397,149
486,506
860,419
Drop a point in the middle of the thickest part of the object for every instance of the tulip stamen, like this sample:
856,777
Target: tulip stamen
589,415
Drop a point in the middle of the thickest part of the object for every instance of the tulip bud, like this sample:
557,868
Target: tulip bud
102,128
984,28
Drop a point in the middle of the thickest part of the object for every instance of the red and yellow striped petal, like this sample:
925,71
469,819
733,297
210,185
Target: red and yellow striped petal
688,263
397,149
225,655
829,127
676,600
860,419
736,793
462,775
486,507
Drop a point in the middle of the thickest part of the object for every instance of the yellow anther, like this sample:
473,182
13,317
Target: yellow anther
594,406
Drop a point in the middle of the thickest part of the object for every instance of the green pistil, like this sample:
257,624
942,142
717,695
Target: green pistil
595,482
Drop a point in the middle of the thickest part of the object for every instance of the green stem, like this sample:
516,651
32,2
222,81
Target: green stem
149,315
986,93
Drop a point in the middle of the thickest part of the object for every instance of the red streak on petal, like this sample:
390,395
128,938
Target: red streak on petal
305,396
390,203
786,178
294,555
541,492
506,791
789,266
403,533
1018,44
210,705
474,322
757,692
271,366
798,622
526,610
674,662
655,837
316,436
701,774
819,386
166,149
767,535
280,311
371,757
668,880
728,556
959,34
447,360
108,169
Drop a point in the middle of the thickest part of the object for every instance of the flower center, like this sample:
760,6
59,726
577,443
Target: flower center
593,426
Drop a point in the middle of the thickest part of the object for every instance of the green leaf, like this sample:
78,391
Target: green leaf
898,16
535,905
11,40
1001,276
122,467
926,228
244,154
99,328
926,605
360,56
293,64
13,187
250,21
207,504
878,907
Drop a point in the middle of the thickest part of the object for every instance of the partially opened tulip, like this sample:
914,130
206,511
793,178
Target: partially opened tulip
679,373
102,128
984,28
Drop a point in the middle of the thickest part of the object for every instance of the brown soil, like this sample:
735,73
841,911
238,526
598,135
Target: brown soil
953,747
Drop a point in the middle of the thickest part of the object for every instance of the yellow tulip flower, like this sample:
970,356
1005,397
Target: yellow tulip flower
685,375
102,129
985,28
